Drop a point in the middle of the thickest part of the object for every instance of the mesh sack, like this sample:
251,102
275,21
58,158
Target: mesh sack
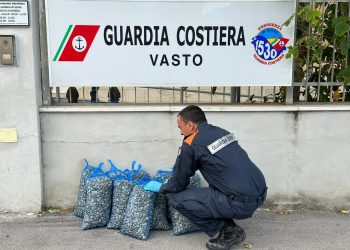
195,181
138,216
98,200
163,175
81,199
137,174
121,191
122,186
180,224
160,213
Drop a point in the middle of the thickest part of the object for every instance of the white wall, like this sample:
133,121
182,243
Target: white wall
304,155
20,97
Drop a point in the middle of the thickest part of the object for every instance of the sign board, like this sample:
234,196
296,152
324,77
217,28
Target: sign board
169,43
8,135
14,13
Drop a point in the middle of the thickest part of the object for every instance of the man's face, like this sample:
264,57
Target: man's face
187,128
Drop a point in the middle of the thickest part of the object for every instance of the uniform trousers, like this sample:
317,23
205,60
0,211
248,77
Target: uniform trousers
209,208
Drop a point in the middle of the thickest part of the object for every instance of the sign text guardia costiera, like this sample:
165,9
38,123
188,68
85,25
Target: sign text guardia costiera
185,36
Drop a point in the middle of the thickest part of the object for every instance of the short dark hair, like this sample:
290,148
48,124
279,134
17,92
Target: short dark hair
192,113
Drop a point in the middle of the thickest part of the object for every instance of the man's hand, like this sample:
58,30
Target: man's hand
153,186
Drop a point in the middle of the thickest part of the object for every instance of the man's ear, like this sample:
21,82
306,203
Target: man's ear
193,126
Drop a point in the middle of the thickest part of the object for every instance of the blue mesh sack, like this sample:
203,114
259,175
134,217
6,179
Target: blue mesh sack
160,213
114,170
138,216
180,224
195,181
81,199
122,187
137,174
163,175
98,200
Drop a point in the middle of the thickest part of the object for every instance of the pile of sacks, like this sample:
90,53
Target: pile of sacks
116,199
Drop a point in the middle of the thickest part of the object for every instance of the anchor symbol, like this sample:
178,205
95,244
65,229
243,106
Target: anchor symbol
79,43
79,47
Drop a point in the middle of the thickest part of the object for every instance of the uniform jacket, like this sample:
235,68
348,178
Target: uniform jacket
228,168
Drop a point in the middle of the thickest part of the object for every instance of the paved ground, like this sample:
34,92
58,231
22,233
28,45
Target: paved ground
266,230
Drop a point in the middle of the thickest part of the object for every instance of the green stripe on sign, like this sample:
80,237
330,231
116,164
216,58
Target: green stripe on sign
63,42
274,42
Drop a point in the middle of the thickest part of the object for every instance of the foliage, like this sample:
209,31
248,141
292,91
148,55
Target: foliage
319,30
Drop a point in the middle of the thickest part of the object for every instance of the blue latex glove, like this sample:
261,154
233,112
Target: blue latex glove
153,186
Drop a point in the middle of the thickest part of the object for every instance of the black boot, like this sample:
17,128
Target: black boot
231,234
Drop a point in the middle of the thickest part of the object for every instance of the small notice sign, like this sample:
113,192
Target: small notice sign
14,13
8,135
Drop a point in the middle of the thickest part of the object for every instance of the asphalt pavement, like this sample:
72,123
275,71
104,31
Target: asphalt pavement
268,229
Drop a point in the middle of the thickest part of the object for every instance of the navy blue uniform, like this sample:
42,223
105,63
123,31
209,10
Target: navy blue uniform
236,186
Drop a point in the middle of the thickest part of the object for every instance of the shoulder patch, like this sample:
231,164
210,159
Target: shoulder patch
189,139
221,143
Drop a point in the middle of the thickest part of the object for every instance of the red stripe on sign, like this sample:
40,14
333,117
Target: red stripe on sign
79,43
280,44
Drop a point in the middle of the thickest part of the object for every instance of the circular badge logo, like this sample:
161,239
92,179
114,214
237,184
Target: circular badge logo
79,43
269,44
